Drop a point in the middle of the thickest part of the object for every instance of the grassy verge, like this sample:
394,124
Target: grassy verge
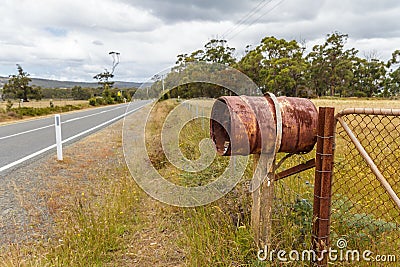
99,217
99,226
219,233
91,232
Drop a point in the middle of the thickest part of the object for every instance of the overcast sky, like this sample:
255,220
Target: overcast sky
71,39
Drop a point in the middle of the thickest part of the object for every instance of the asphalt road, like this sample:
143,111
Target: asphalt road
23,141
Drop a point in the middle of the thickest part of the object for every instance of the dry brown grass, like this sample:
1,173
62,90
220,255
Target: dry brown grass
45,103
39,109
340,104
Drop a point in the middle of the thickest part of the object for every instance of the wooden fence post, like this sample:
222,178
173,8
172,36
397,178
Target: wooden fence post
261,212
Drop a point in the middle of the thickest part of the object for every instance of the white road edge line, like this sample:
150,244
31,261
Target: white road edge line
51,125
12,164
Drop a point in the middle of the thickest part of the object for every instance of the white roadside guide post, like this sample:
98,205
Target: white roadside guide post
57,120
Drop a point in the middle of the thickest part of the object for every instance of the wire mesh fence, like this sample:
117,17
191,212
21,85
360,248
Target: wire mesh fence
362,212
292,212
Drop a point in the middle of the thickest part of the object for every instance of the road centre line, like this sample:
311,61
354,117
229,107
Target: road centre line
90,115
12,164
25,132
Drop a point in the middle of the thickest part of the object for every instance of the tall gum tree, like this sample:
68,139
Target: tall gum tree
18,87
277,66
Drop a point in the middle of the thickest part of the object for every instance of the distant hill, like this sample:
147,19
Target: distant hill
45,83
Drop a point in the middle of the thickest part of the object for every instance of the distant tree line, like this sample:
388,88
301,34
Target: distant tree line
284,68
18,87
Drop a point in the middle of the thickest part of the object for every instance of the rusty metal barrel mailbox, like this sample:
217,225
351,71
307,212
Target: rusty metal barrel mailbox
243,125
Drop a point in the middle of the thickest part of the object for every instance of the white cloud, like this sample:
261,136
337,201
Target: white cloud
71,39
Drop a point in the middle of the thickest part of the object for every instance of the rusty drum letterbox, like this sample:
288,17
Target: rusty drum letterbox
243,125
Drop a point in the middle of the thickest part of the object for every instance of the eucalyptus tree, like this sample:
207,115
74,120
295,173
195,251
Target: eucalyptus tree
331,65
277,66
18,87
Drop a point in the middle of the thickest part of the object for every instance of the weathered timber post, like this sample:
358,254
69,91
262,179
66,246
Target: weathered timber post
263,196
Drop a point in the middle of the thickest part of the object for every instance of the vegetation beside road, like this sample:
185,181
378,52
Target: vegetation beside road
10,111
13,110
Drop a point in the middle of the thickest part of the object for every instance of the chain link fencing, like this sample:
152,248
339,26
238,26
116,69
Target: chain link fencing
292,211
363,213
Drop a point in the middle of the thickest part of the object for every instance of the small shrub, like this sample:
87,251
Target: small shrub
92,101
109,100
99,101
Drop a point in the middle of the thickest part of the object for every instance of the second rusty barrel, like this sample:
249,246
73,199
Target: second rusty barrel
243,125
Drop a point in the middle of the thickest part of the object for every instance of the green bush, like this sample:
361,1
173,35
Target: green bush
100,101
96,101
29,111
92,101
109,100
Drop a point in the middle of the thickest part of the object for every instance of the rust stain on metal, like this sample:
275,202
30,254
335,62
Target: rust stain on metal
243,125
299,124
